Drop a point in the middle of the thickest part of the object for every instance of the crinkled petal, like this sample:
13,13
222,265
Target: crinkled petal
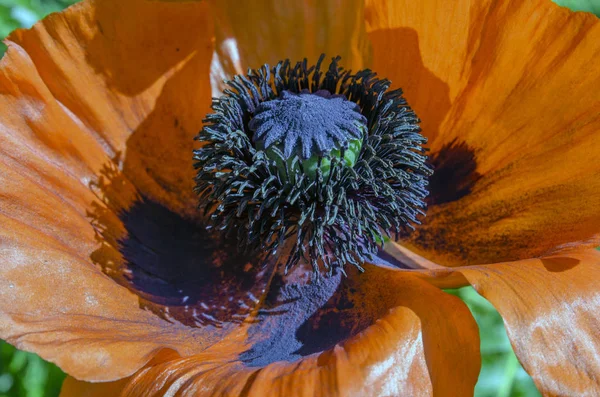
138,89
550,308
508,94
411,348
104,88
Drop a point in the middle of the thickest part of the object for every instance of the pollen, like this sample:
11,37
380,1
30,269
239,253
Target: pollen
324,163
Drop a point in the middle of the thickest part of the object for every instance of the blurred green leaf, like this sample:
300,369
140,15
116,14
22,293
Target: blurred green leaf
24,13
592,6
25,374
501,373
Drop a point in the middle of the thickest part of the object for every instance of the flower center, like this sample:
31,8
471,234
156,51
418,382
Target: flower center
323,163
311,126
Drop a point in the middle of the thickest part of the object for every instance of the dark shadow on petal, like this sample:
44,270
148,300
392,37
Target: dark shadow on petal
397,260
400,61
133,67
165,69
559,264
455,173
159,152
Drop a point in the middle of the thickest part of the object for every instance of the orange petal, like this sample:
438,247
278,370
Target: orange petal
412,348
508,95
136,89
81,88
422,48
550,307
72,387
249,34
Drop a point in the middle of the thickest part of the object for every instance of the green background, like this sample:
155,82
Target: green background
25,374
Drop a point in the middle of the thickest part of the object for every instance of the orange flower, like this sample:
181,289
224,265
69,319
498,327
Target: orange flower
108,272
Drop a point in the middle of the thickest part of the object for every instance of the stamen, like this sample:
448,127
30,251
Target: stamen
330,162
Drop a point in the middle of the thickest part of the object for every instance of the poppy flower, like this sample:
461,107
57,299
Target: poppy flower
109,270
